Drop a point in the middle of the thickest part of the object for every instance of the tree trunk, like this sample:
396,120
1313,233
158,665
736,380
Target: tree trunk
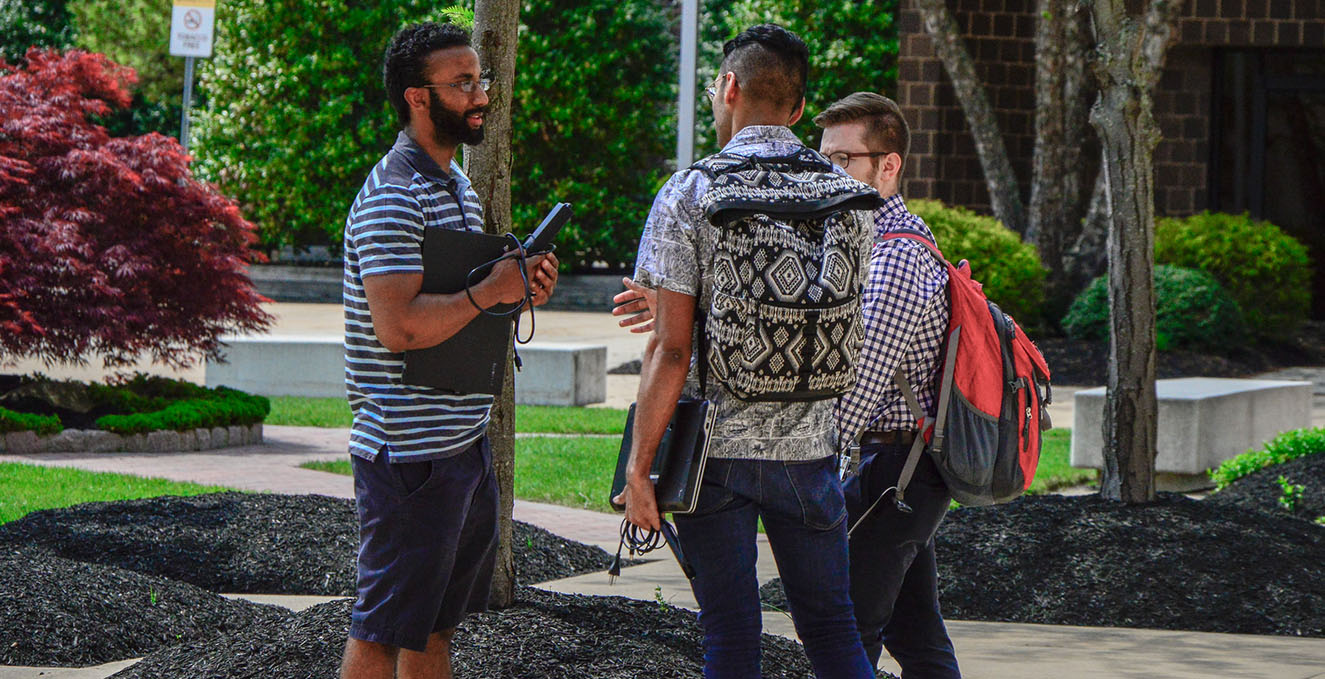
1061,125
496,26
1004,194
1131,57
1088,255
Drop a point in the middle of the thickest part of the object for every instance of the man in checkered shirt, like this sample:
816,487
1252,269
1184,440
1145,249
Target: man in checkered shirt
894,580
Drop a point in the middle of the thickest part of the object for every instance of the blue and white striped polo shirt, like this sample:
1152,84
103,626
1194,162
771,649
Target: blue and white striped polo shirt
406,193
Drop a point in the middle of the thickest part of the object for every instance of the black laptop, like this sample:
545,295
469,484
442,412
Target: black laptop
472,361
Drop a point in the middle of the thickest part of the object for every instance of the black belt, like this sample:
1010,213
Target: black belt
896,437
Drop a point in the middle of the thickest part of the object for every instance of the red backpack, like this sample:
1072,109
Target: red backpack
992,391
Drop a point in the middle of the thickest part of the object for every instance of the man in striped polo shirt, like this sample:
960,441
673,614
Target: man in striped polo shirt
423,479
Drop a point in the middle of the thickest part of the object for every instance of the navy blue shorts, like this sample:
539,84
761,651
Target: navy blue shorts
427,544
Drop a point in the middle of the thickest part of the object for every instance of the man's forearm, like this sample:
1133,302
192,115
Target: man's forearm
662,377
431,319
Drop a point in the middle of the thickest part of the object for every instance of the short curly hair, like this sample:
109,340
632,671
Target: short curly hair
406,57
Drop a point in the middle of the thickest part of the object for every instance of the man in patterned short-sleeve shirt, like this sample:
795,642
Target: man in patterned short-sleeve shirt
769,461
423,479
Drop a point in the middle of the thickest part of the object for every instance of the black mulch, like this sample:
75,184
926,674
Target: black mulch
631,367
544,636
252,543
1078,362
1177,564
1261,490
66,613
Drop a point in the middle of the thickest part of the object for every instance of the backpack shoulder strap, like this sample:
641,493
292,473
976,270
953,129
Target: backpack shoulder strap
918,237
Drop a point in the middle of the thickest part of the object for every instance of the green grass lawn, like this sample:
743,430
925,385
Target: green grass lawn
577,471
1055,471
572,472
335,412
26,488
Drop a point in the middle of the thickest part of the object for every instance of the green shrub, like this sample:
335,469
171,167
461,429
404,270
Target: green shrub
593,120
1266,271
225,407
1192,311
297,114
1289,445
33,23
132,33
1009,269
41,424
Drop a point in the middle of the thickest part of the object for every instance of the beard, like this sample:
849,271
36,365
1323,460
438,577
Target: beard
450,128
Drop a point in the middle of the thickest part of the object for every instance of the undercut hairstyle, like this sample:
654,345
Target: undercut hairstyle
406,59
770,62
885,127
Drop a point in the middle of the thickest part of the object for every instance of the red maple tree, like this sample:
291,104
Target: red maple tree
109,245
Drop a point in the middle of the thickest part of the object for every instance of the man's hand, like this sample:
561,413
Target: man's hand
637,300
641,503
506,286
543,278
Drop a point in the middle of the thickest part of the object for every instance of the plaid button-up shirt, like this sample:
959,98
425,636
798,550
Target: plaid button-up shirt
906,316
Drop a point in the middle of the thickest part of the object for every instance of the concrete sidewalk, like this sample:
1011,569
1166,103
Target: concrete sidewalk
986,650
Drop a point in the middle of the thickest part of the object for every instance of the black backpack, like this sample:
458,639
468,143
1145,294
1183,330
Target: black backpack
784,322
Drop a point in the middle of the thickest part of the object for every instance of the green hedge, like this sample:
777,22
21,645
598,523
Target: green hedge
146,403
1287,446
15,421
1192,311
33,23
297,114
225,408
1266,271
593,121
1009,269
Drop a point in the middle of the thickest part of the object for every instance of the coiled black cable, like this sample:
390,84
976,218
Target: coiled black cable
516,252
640,542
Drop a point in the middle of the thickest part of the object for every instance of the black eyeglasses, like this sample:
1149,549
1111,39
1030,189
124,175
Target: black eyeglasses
842,159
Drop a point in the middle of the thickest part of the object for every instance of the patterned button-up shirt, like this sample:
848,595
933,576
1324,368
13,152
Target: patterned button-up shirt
676,253
906,316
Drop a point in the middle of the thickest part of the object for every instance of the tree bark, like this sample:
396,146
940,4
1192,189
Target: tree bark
1130,59
1004,193
1088,255
1061,125
496,26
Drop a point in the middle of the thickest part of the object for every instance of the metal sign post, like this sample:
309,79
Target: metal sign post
685,118
191,23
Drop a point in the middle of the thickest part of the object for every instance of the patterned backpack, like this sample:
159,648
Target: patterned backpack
784,322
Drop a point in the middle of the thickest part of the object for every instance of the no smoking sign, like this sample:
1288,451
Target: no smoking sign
191,28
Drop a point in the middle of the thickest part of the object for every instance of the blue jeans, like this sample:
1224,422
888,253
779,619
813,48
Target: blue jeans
894,577
804,517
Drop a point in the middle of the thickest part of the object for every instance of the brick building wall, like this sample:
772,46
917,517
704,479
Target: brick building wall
1000,35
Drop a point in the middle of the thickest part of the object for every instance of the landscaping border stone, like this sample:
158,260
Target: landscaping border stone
100,441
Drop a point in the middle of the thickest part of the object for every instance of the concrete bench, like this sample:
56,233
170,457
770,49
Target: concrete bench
553,374
1202,422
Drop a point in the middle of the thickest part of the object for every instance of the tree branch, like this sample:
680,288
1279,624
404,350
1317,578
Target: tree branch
1004,194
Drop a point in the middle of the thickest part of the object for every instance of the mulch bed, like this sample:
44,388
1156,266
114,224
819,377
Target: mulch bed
543,636
1084,363
252,543
1177,564
1261,490
67,613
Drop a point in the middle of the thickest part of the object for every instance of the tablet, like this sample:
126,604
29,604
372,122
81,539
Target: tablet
540,241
